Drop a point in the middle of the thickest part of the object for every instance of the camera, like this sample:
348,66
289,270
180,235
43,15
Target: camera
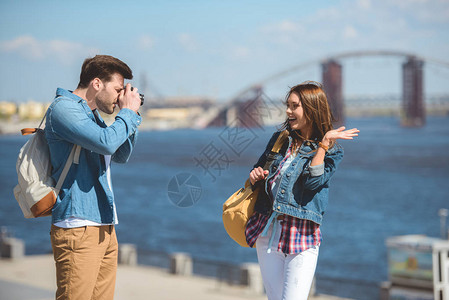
141,96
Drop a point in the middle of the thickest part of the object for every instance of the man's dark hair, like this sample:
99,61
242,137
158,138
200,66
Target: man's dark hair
102,67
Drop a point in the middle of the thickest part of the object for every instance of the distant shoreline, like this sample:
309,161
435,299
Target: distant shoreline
13,128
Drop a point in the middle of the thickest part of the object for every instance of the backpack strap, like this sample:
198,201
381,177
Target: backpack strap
76,158
27,131
280,141
276,148
73,158
43,119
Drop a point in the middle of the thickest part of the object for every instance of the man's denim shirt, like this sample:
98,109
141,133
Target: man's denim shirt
85,193
303,189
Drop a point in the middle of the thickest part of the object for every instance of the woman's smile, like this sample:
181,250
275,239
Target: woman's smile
295,113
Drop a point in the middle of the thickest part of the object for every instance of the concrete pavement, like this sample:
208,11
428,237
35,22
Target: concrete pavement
33,278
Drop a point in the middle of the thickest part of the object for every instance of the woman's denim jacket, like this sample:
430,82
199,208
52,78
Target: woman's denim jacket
303,189
86,193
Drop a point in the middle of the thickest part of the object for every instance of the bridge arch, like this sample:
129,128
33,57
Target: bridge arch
413,111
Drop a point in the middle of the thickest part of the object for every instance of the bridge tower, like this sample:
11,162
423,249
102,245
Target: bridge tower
333,85
412,91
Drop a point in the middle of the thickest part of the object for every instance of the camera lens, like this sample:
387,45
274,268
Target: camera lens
142,99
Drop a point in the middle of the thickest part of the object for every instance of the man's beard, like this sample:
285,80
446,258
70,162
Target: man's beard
108,109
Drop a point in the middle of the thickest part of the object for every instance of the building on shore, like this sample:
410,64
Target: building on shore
7,109
32,110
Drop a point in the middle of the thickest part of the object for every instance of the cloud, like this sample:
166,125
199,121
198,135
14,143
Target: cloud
364,4
362,24
285,26
187,42
240,52
146,42
27,46
428,11
33,49
283,32
350,32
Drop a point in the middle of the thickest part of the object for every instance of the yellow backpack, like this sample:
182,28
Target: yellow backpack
240,206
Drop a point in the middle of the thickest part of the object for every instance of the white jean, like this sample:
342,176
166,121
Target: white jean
285,276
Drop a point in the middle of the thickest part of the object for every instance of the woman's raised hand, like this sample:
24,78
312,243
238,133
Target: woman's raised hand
257,174
341,133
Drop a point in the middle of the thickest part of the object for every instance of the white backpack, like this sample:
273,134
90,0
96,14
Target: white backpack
36,192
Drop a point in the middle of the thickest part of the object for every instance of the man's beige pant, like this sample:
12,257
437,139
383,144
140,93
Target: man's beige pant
86,262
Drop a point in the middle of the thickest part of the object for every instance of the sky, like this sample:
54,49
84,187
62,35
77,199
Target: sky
218,48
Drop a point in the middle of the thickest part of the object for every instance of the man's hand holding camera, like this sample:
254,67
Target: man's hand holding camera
130,98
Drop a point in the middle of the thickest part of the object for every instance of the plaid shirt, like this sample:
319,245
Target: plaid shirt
297,235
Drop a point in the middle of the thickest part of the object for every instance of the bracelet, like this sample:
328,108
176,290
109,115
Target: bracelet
323,146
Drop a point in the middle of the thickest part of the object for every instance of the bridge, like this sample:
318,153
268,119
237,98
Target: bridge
245,109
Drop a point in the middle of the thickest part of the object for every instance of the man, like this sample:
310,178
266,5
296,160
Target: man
82,233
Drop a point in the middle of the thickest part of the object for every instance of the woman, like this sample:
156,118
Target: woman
286,224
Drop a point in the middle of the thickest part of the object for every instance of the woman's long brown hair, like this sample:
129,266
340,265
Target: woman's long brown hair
316,110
